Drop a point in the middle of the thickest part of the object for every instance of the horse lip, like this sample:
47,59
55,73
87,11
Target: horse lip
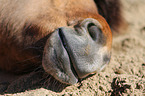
65,45
62,38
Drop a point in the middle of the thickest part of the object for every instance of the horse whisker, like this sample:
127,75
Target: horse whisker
28,59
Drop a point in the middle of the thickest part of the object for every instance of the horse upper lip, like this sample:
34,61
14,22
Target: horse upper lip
62,38
65,45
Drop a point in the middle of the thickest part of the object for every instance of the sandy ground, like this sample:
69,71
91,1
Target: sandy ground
125,75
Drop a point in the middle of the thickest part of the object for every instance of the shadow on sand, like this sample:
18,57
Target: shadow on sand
37,79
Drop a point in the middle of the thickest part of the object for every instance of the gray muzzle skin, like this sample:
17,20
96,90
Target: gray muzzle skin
73,53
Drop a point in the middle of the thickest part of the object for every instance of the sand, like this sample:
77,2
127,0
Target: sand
125,75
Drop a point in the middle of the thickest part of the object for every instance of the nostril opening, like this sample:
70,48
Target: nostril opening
94,31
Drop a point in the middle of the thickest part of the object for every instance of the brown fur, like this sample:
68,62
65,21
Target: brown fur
111,11
26,25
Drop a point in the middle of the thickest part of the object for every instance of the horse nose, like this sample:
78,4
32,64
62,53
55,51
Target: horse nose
83,43
78,50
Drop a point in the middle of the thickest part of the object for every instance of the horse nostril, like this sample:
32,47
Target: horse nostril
94,31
